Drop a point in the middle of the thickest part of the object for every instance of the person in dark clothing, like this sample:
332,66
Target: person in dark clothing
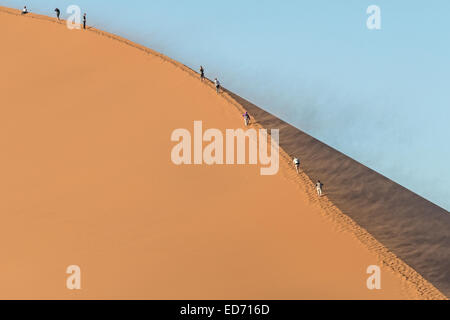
84,21
202,73
58,13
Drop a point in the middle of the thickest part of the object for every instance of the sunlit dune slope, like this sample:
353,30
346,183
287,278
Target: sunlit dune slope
87,179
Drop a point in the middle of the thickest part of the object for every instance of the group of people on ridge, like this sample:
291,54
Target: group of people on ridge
218,87
58,14
246,116
216,81
319,185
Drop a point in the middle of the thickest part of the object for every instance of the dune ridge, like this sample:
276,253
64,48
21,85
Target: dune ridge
304,181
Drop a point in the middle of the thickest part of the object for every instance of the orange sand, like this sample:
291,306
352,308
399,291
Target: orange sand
86,179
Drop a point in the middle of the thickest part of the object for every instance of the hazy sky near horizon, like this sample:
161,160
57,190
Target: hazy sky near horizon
379,96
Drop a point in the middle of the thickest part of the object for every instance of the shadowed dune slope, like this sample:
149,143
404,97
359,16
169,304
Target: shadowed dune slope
415,229
87,179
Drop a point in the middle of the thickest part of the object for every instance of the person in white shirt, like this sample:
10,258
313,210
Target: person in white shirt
296,164
217,84
25,10
319,186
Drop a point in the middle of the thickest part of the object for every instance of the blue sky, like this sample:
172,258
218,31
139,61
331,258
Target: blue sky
379,96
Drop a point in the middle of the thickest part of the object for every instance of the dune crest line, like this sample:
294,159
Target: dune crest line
332,211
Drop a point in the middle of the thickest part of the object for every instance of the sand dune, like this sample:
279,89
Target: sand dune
86,119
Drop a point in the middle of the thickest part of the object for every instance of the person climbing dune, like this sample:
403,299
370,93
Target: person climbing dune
217,84
58,13
319,186
246,118
296,162
84,21
202,73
